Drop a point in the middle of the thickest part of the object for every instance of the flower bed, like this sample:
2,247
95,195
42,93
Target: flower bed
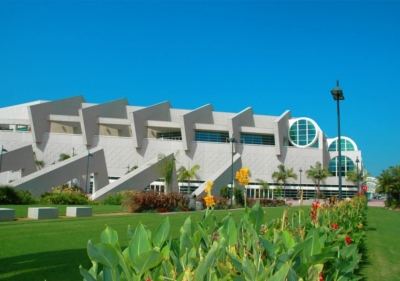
318,243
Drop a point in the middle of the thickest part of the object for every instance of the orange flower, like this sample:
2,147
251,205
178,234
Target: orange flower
243,176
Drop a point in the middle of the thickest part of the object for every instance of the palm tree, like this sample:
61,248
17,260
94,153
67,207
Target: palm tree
39,163
264,185
282,175
188,174
389,183
357,178
166,168
318,174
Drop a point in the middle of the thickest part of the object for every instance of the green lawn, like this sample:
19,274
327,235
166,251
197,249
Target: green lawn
53,249
383,248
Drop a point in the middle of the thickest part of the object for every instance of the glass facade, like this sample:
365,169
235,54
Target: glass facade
211,136
170,135
346,145
257,139
347,165
303,132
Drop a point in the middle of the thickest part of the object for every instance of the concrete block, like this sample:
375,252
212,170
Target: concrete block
7,214
79,211
42,213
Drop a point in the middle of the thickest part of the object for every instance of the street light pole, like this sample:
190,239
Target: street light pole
358,176
301,190
337,94
87,170
232,140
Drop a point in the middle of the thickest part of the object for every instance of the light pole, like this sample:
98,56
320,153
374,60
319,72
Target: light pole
1,155
301,190
337,94
284,185
315,188
358,176
87,169
232,140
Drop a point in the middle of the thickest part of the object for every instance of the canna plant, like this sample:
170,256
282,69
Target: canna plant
317,244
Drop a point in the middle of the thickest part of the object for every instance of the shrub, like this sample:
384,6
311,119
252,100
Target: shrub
265,202
64,195
225,192
113,199
239,197
137,202
65,199
26,198
10,195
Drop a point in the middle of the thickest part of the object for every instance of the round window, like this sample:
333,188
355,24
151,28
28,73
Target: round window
303,132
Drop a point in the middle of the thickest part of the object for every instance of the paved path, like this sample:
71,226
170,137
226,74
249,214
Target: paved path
371,203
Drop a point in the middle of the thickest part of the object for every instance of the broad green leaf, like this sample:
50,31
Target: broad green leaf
288,240
204,234
185,242
124,266
236,261
109,235
269,247
230,230
146,261
249,270
205,264
257,216
108,274
94,269
161,233
281,274
314,246
103,253
139,243
168,269
86,274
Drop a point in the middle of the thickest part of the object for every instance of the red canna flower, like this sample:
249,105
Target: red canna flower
313,214
348,240
148,279
321,278
335,226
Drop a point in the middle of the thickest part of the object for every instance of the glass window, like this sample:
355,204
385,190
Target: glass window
211,136
170,135
347,165
345,145
303,132
257,139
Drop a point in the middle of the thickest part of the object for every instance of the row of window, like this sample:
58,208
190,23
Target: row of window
302,133
221,137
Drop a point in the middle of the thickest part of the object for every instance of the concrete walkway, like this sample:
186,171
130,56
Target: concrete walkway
371,203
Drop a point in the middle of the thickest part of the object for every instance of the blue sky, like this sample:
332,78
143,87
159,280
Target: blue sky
272,56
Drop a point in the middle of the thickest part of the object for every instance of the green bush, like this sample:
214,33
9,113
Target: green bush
10,195
65,199
239,197
26,198
225,192
113,199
